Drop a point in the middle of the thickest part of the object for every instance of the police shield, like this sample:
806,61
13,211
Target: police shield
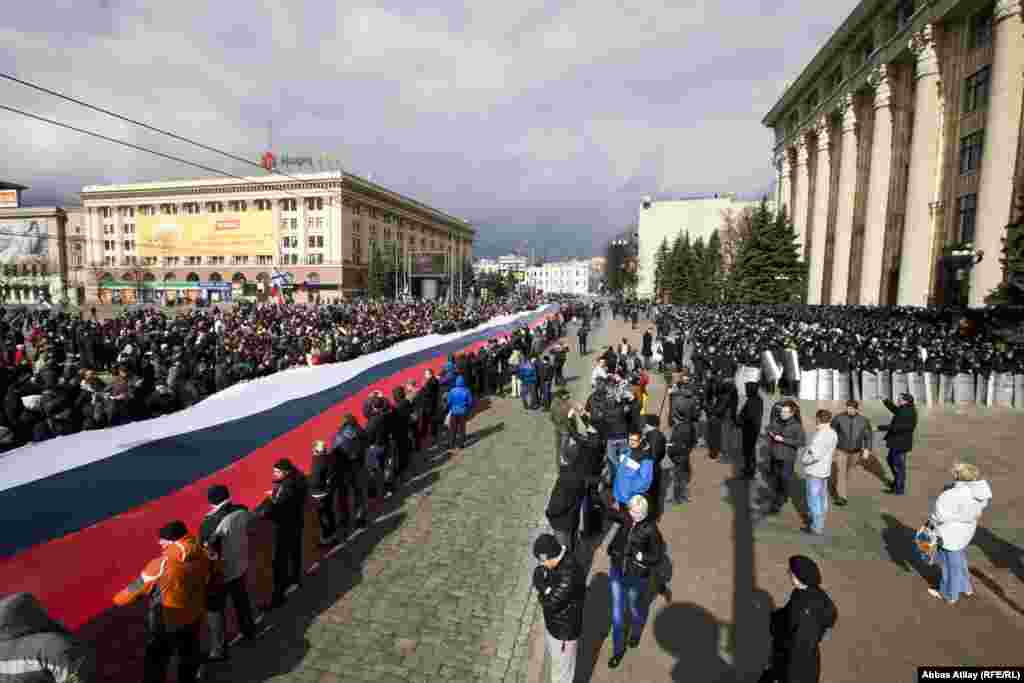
791,365
770,367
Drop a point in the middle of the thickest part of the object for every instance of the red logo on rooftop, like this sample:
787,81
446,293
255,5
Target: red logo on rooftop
268,161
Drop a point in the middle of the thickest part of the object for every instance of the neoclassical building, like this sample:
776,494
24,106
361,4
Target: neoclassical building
898,151
219,238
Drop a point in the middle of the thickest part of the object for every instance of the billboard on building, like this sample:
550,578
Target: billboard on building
23,240
221,234
8,199
429,264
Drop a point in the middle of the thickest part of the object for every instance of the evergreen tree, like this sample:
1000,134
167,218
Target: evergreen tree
698,271
662,266
1011,289
768,267
713,269
377,285
681,283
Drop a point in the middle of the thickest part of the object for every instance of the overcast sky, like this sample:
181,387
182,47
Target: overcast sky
528,118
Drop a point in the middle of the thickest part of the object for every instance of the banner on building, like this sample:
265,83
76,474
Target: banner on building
23,240
219,234
429,265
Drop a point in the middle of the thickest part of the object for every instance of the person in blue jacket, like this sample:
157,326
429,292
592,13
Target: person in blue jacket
528,378
634,472
460,403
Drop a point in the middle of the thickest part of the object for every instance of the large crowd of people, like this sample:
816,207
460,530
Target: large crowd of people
61,373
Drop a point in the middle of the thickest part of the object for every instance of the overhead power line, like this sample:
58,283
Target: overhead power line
126,119
139,147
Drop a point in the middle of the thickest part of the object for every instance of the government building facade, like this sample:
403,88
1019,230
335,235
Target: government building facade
898,152
220,239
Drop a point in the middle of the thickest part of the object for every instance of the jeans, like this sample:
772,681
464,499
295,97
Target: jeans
563,659
817,502
897,460
356,487
628,592
529,392
750,449
159,648
235,590
287,558
781,475
681,473
457,425
956,578
617,443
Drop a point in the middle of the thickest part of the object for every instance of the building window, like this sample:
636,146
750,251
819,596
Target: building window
967,212
147,210
105,211
264,260
263,205
981,29
171,261
970,152
867,49
357,227
239,260
215,260
316,241
129,228
904,11
190,208
193,261
976,89
294,260
314,259
315,203
149,261
357,210
168,209
289,204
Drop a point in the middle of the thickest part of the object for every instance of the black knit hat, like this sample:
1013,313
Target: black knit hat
284,464
546,547
173,531
217,494
805,570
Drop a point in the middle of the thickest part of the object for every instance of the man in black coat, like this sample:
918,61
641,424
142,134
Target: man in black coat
286,508
647,348
561,589
749,421
798,628
899,437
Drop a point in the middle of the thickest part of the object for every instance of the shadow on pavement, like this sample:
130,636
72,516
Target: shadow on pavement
597,625
899,544
283,648
1000,553
998,590
690,633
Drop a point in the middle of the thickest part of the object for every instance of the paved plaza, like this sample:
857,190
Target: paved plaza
438,588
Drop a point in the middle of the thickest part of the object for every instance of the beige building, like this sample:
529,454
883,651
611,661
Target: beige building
898,151
40,251
220,238
660,221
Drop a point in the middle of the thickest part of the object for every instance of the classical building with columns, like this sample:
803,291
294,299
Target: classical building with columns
898,152
222,238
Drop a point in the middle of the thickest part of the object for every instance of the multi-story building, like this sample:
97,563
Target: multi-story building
221,237
560,277
485,266
40,251
898,151
660,221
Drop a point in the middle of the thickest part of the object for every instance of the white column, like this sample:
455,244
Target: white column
845,199
915,257
998,158
801,181
819,225
878,191
785,181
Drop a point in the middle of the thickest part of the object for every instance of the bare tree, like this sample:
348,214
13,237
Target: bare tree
736,227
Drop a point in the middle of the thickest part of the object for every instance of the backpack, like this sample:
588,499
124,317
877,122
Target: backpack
683,406
346,441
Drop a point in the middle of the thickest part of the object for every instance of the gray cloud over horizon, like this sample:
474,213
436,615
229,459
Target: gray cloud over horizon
530,119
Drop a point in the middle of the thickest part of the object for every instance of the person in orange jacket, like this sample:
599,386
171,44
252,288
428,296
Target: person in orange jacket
175,584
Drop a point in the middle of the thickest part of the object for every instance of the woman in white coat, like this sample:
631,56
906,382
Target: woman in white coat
954,519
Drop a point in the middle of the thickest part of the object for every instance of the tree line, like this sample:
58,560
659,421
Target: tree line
753,259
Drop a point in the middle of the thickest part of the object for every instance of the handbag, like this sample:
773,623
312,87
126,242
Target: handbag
926,543
799,468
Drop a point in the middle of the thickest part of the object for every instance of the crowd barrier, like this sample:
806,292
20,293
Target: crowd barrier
81,512
993,390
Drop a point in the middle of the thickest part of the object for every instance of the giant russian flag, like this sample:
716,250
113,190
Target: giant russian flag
81,513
